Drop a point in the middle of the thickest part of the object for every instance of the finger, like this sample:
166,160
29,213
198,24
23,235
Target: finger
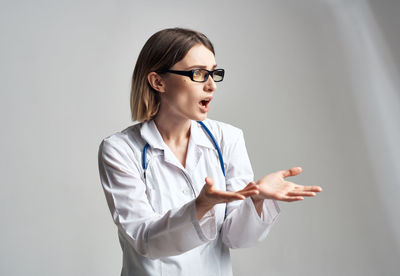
249,190
250,186
291,198
226,195
292,172
249,193
301,193
315,189
209,181
233,198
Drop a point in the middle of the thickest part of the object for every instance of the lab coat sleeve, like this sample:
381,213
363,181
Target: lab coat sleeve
243,227
151,234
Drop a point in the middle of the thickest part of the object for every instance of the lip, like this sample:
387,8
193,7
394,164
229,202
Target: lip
207,98
205,108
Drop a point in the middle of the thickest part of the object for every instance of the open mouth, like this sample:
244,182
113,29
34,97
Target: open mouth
205,103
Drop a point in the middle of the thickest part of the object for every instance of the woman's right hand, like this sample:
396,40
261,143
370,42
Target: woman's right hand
209,196
275,186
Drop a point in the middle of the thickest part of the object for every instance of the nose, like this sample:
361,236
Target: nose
210,85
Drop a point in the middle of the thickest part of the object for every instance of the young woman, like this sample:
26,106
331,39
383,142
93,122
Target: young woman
180,186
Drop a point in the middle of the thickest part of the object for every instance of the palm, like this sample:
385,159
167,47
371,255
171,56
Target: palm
274,186
277,186
209,196
212,196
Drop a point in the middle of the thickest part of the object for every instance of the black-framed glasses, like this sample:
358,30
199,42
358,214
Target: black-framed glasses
200,75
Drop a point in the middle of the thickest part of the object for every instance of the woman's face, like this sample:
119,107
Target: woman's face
183,97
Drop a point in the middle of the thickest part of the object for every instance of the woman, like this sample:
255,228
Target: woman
179,186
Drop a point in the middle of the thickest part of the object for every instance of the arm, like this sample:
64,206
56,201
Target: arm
271,187
209,196
247,222
151,234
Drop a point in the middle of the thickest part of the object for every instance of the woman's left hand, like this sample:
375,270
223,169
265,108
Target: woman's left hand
210,196
274,186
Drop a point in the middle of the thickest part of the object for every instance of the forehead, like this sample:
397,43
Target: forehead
197,55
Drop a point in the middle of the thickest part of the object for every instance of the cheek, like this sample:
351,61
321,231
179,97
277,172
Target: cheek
185,92
185,85
177,87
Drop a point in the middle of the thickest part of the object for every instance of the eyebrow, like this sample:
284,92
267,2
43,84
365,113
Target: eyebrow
201,66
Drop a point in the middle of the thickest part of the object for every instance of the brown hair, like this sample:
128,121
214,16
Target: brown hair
161,51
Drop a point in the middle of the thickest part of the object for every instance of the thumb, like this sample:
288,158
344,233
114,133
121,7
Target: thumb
292,172
209,181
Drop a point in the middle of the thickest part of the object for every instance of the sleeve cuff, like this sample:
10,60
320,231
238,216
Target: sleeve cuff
206,228
269,214
245,227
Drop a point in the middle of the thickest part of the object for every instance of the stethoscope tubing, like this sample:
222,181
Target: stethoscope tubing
221,159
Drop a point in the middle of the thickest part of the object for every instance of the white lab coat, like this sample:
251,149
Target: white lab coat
157,222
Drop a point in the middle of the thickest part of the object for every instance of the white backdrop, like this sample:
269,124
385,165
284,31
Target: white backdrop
311,83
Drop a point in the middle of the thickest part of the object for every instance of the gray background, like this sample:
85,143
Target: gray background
311,83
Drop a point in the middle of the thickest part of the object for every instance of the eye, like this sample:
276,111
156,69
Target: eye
197,73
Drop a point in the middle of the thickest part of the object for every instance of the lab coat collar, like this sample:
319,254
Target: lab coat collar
151,135
199,136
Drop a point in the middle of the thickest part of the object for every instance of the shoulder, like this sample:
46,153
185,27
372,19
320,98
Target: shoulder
224,132
231,142
122,142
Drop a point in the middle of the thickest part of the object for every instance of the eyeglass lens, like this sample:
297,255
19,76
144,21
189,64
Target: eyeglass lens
201,75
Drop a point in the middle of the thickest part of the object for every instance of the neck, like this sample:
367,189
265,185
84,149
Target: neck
172,129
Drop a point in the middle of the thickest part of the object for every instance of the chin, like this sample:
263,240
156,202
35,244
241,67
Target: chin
197,116
201,117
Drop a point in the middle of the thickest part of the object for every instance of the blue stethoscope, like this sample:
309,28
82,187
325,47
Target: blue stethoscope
221,159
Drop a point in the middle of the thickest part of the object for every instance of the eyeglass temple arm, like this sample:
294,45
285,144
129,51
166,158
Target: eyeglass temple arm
183,73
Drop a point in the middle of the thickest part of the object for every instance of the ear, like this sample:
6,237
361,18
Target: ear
156,81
